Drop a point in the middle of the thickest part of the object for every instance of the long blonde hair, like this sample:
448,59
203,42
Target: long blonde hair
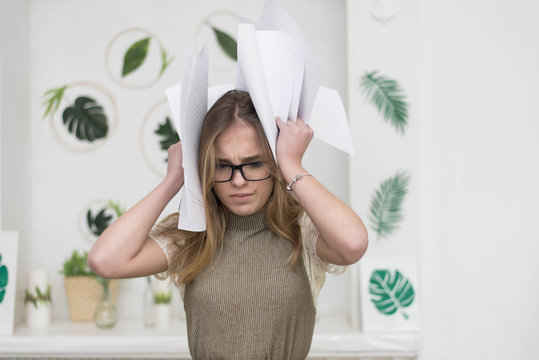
196,249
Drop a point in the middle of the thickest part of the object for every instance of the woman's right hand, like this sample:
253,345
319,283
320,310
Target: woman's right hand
174,167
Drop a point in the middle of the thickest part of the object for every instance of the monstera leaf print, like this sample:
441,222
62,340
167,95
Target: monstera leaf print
168,135
135,56
86,119
3,279
99,223
390,292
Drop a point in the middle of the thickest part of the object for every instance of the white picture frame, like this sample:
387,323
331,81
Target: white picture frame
8,279
389,294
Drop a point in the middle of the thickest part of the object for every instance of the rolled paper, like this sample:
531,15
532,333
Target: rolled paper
38,278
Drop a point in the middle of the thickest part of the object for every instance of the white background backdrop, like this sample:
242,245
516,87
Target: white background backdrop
470,72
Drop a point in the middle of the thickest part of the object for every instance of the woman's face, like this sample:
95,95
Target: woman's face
238,145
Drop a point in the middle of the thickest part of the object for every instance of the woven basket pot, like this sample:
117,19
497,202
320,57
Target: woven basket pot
83,296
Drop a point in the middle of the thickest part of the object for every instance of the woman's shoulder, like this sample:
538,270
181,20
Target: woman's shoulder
310,235
167,235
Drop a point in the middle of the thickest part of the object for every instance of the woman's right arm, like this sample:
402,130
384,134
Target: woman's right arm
124,249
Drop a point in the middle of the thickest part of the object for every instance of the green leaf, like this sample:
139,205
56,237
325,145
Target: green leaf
385,209
99,223
52,100
135,56
162,297
168,134
3,279
86,119
390,292
38,297
386,95
227,43
3,276
165,61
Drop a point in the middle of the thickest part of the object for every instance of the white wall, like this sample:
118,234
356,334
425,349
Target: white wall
481,172
64,41
15,135
470,68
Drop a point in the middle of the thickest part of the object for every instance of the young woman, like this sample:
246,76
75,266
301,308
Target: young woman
251,280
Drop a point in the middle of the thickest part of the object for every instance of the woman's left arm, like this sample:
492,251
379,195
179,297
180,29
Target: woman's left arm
343,237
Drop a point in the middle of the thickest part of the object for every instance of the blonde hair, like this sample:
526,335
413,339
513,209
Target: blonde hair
196,249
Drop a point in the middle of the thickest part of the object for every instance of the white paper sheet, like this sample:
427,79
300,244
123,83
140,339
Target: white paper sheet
274,17
193,108
192,216
277,67
328,120
270,67
250,66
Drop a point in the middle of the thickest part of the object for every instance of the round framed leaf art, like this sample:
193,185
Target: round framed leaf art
83,115
96,216
219,30
157,133
136,59
383,11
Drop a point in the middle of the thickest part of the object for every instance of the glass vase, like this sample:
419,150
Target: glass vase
106,315
149,305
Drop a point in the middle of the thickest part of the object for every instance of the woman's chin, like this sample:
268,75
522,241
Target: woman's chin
243,210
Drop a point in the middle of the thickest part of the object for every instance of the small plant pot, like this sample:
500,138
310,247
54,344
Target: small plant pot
83,296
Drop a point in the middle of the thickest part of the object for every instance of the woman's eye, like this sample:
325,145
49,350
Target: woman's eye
256,164
221,166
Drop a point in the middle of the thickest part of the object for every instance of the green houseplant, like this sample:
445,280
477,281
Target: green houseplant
83,289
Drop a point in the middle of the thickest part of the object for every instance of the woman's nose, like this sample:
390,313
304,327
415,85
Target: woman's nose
237,178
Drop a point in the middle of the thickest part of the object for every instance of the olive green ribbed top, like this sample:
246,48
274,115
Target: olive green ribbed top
249,304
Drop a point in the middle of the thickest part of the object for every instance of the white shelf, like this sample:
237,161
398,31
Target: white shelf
129,338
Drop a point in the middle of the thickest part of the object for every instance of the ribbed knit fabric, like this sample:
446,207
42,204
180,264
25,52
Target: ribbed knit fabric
249,304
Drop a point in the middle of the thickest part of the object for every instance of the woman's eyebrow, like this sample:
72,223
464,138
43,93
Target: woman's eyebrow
245,160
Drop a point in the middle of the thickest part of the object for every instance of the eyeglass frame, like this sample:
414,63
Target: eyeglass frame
240,168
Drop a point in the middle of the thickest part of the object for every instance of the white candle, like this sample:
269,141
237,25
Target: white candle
38,316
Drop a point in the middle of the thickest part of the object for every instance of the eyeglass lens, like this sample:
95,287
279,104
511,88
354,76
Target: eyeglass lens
254,171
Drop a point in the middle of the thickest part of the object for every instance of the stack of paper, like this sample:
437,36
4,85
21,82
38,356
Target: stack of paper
278,69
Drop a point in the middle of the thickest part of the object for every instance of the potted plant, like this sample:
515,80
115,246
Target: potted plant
83,289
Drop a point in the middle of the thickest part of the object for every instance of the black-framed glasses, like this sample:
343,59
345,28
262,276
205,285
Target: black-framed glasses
252,171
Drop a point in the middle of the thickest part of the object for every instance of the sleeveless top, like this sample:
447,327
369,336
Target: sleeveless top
248,303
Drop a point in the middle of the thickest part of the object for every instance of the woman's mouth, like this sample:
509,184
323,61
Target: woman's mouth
241,197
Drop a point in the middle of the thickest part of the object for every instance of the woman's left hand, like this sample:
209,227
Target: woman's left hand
292,141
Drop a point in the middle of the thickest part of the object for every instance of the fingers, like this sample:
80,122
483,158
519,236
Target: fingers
279,122
299,124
